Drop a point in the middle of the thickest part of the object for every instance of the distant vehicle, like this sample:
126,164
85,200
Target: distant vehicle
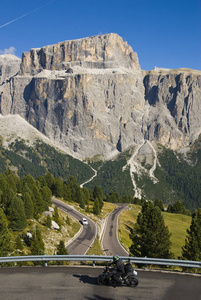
84,221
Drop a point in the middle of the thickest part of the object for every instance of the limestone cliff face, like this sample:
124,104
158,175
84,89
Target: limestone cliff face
9,66
91,97
104,51
88,114
175,98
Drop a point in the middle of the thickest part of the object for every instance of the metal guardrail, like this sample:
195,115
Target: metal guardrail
94,258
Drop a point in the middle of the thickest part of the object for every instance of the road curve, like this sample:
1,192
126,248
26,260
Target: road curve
77,283
110,242
83,242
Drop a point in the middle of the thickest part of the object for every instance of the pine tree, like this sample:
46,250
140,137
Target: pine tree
58,187
61,249
16,214
29,181
80,197
98,194
28,206
73,186
49,180
150,236
66,193
159,203
6,245
192,247
96,207
46,195
39,203
48,221
42,181
37,244
68,222
56,216
86,195
6,199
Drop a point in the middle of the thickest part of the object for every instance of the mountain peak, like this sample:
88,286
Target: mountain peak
99,52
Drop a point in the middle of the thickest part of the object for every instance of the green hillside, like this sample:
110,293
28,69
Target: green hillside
39,159
177,225
111,177
179,176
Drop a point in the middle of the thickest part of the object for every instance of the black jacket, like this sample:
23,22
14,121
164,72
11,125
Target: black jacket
119,265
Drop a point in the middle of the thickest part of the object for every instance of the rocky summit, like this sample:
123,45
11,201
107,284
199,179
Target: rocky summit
91,97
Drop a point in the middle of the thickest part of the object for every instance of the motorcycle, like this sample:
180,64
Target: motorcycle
129,278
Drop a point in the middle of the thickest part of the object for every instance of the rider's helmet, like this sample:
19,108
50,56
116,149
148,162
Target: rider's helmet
115,258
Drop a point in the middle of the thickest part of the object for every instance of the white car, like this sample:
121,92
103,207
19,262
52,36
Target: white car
84,221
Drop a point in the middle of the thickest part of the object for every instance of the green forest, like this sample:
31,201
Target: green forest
179,178
24,199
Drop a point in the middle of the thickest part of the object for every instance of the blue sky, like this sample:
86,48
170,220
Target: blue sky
164,33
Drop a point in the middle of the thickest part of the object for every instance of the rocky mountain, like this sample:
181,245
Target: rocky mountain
9,66
90,97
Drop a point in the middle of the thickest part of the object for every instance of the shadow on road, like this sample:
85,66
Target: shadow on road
87,279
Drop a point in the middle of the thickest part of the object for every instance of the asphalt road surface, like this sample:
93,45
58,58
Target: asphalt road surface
78,283
82,243
110,242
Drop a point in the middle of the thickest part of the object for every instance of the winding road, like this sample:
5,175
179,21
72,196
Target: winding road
110,242
81,244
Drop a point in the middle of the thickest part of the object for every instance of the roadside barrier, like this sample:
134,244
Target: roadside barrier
101,258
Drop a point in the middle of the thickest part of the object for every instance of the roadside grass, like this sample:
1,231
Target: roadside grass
108,208
176,223
95,248
127,220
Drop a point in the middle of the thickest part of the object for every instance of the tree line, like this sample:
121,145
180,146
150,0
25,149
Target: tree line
22,199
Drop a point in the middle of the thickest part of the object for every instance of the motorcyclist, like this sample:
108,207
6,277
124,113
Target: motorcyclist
118,269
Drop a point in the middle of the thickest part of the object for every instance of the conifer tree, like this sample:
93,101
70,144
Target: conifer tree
80,197
49,180
56,216
6,199
48,221
16,214
39,204
42,181
192,247
66,192
5,235
11,181
61,249
58,187
37,244
28,205
29,181
159,203
86,195
98,194
46,195
96,207
150,236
